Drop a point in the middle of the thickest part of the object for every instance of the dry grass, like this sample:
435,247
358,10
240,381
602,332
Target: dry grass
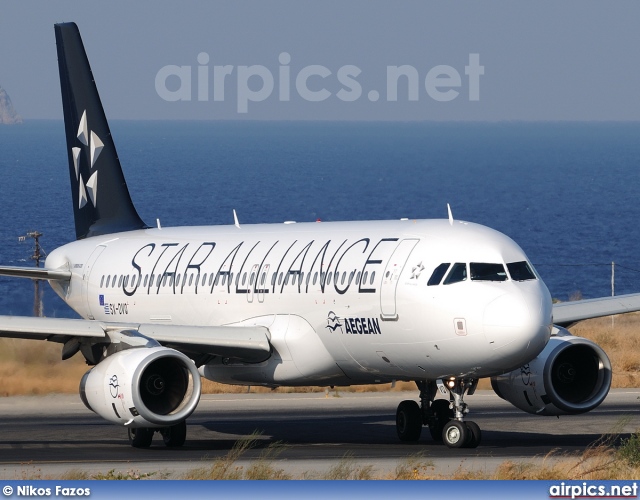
30,367
226,467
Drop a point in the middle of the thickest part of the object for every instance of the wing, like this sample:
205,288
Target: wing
567,313
248,343
35,273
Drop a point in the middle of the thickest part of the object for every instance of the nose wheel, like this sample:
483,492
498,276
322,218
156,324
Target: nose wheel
458,434
445,418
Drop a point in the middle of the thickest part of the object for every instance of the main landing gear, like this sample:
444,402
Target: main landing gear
173,436
444,418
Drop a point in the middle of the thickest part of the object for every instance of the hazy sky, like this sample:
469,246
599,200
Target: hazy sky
469,60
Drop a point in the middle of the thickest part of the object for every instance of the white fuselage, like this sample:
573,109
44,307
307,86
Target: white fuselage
345,302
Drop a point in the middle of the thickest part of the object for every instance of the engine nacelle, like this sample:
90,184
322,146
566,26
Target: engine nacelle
571,375
142,387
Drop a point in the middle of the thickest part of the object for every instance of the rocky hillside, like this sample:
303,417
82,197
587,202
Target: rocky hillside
8,115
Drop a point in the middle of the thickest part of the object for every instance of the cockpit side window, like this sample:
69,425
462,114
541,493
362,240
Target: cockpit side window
521,271
481,271
438,274
457,274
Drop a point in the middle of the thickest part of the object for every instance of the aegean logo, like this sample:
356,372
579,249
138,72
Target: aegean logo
257,83
354,326
114,386
333,322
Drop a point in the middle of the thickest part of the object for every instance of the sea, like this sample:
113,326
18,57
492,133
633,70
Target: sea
567,193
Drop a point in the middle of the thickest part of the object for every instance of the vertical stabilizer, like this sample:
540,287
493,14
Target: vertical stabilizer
101,200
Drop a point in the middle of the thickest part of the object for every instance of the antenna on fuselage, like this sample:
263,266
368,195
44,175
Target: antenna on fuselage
450,214
235,219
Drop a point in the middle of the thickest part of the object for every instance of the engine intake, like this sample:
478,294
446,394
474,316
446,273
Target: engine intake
143,387
571,375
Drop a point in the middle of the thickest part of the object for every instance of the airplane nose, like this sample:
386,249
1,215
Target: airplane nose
519,322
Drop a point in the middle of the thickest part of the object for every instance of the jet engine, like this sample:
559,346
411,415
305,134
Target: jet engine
571,375
142,387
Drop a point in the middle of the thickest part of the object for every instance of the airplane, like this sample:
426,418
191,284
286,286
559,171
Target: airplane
439,302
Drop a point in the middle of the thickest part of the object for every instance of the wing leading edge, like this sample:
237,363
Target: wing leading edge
567,313
248,343
35,273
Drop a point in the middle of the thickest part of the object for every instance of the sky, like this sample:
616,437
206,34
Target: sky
360,60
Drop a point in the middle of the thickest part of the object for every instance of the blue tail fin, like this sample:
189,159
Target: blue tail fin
101,200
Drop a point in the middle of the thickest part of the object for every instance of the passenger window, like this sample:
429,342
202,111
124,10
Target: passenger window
329,278
113,281
120,281
146,280
373,276
457,274
315,277
521,271
438,274
358,278
102,281
364,277
481,271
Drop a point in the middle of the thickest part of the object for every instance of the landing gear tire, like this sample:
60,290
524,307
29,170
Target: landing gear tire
442,414
140,437
175,435
475,435
409,421
455,434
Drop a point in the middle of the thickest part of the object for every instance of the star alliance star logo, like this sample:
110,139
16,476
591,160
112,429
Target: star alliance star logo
90,139
416,270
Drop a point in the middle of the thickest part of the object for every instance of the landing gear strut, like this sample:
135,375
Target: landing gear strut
445,419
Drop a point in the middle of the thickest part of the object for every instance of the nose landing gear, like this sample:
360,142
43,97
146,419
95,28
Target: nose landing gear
445,419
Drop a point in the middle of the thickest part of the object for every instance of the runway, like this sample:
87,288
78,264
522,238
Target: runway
47,436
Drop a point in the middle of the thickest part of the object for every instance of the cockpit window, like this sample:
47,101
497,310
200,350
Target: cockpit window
457,274
481,271
521,271
438,274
